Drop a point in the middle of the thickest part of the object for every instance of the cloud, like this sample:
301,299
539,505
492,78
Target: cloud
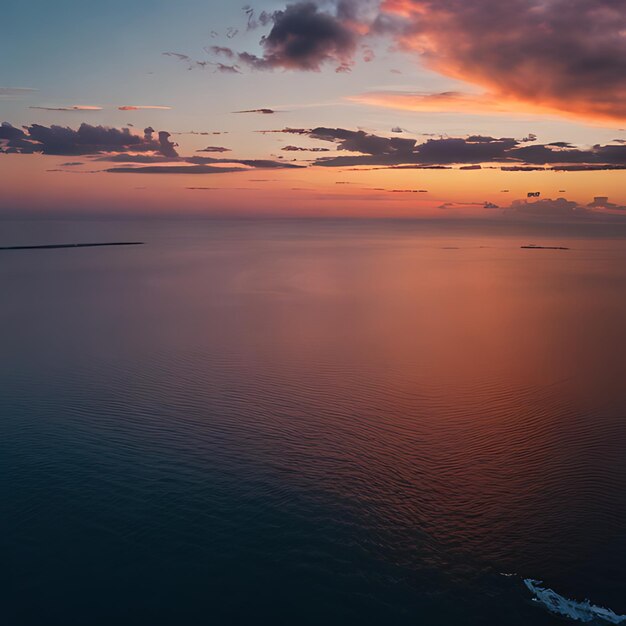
10,133
602,202
360,141
586,168
255,163
175,169
204,165
303,37
548,209
140,107
446,101
564,208
221,50
166,147
254,21
562,55
86,140
215,149
262,111
227,69
300,149
192,64
560,207
72,108
203,133
514,154
134,158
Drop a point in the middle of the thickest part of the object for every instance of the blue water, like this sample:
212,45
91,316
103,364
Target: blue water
310,422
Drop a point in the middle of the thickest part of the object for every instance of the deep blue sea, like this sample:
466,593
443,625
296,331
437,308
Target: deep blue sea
312,423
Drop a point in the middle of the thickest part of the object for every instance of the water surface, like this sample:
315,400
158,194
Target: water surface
310,422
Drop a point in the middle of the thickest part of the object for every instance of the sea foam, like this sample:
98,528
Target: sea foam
579,611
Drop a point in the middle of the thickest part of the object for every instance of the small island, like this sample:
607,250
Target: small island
73,245
534,247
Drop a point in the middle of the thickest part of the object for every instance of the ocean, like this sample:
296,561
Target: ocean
312,422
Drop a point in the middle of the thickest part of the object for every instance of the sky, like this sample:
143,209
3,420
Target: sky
433,108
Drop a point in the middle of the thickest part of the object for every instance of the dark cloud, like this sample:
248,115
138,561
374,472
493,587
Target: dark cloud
300,149
261,111
215,149
175,169
586,168
467,152
87,140
522,168
360,141
166,147
303,37
10,133
150,153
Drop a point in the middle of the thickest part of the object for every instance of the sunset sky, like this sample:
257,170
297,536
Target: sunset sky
431,108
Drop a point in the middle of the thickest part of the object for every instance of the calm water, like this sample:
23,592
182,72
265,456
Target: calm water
309,423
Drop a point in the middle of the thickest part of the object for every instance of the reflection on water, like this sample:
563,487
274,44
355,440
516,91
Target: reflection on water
310,422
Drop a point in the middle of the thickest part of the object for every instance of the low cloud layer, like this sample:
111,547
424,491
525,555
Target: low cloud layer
564,208
514,154
150,153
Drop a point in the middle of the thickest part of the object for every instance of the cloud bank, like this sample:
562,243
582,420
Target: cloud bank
514,154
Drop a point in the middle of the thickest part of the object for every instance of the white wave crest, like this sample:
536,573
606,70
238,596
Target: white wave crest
579,611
